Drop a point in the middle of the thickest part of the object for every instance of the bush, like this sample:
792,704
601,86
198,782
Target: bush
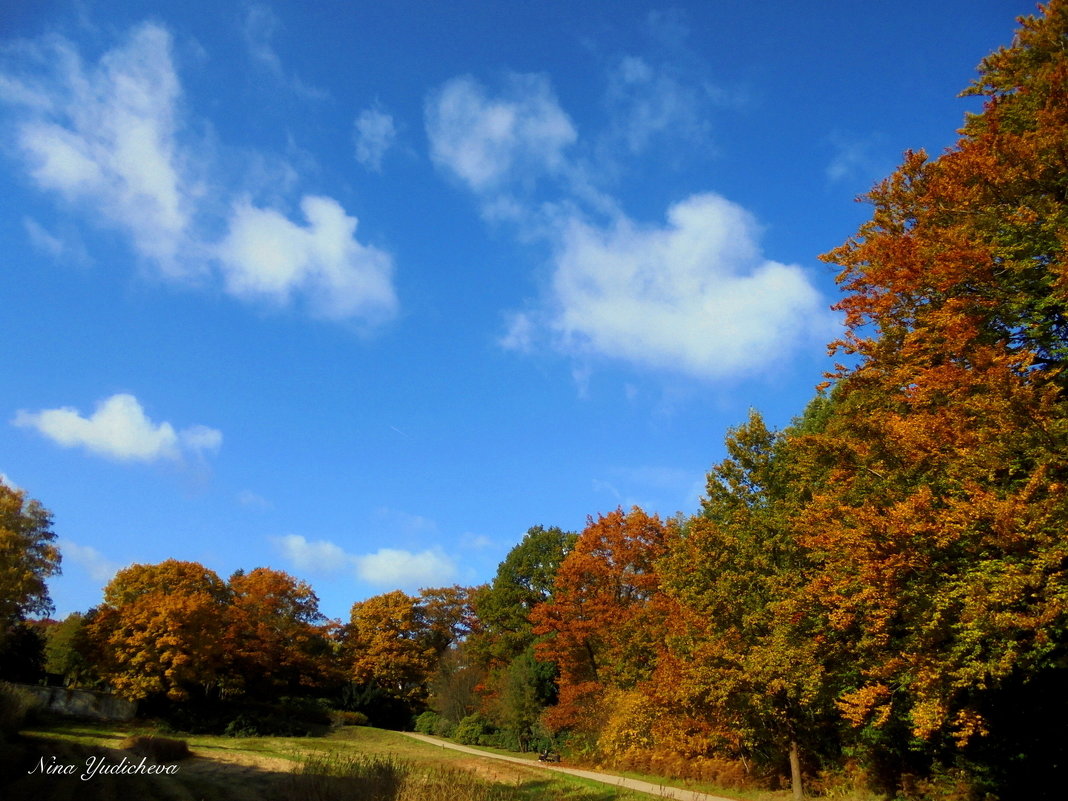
424,724
474,730
17,708
158,749
346,717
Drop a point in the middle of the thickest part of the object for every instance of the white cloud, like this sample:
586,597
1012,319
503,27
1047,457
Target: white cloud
694,296
89,559
486,141
119,429
106,137
266,255
7,482
319,556
374,136
112,140
388,567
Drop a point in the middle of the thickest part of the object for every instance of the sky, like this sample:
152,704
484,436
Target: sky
362,291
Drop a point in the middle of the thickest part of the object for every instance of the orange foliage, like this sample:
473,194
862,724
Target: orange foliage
598,624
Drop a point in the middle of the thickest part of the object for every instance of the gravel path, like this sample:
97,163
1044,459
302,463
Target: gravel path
606,778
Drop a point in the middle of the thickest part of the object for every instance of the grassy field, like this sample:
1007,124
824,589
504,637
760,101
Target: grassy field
350,763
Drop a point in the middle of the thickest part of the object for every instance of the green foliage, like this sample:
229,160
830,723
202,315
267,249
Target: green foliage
475,729
68,652
524,580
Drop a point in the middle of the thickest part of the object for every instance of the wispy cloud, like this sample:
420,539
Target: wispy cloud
106,137
252,500
259,27
89,559
119,429
115,141
374,136
856,159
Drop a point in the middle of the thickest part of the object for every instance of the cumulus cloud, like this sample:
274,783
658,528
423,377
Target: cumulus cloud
89,559
395,567
113,139
695,295
386,567
485,141
266,255
105,136
374,135
120,430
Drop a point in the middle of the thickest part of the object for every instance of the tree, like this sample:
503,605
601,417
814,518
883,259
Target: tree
28,556
68,651
940,530
600,625
388,646
276,637
745,650
524,580
161,630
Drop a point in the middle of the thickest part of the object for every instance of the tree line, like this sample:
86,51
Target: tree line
875,595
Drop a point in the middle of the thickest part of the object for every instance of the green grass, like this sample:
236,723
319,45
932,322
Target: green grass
350,763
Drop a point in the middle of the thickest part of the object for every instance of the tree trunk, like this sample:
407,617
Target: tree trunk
795,772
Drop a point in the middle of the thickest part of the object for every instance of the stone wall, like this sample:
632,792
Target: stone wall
83,703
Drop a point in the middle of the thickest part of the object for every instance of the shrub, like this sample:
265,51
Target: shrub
158,749
17,708
346,717
425,723
474,730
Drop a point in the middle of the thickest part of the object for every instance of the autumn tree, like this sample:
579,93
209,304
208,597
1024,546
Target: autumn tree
746,658
161,630
28,556
276,638
388,646
940,532
600,625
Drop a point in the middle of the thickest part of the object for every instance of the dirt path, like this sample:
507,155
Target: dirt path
606,778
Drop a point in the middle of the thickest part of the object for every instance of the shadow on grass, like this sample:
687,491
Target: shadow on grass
30,771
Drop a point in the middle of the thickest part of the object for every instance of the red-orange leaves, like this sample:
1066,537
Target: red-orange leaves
602,622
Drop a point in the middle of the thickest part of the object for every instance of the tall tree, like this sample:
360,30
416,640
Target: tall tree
524,580
388,646
600,624
745,650
28,556
941,529
276,637
161,630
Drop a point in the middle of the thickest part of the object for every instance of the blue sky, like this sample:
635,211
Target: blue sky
363,291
